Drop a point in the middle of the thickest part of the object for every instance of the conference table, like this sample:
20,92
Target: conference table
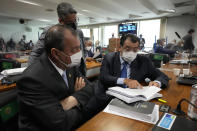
172,94
92,69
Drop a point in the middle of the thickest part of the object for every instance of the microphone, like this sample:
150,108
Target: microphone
178,35
147,80
178,110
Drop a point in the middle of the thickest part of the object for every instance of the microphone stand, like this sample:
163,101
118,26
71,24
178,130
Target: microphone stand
178,110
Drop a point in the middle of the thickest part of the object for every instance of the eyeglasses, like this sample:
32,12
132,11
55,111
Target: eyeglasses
128,48
71,20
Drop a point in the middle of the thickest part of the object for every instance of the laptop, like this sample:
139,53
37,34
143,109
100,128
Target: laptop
187,80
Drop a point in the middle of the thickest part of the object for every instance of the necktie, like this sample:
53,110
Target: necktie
64,76
124,72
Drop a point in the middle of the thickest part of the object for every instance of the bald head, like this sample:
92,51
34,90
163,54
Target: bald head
55,37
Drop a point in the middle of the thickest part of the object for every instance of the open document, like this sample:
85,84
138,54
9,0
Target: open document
132,95
15,71
142,111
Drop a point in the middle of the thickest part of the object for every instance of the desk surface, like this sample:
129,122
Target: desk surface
172,94
21,60
7,87
92,64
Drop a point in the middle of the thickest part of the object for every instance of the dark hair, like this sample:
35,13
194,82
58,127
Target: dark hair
64,9
86,39
54,37
133,38
191,31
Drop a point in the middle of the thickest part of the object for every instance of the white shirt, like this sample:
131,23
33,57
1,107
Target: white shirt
57,68
61,72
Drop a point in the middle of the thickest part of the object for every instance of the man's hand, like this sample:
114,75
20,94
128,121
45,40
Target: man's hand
69,102
153,83
79,83
132,83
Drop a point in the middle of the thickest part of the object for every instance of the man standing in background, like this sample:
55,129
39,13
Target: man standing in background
142,42
188,41
67,16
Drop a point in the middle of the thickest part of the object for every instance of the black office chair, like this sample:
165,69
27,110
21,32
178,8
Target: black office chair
157,58
8,64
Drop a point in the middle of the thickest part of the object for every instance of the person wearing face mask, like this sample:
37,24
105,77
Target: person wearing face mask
127,69
160,48
52,93
88,52
67,16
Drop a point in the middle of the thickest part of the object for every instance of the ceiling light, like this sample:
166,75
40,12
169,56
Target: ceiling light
86,10
44,20
79,14
28,2
171,10
167,11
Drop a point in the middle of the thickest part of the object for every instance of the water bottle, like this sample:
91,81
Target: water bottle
192,112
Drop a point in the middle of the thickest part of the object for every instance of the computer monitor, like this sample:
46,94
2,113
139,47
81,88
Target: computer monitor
127,28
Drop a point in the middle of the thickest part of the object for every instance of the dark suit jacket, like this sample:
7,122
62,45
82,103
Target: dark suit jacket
160,49
38,49
188,43
141,68
40,90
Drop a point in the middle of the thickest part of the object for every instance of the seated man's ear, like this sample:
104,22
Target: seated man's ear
54,53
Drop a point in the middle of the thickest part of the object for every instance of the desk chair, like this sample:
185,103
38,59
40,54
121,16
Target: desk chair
157,58
8,64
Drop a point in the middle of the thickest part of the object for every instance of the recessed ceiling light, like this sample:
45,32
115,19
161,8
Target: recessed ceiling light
171,10
29,2
44,20
79,14
167,11
86,10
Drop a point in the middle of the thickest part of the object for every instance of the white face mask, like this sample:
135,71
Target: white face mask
88,48
129,56
75,60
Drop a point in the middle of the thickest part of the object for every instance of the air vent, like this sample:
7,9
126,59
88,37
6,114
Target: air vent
91,19
49,10
183,4
131,16
145,12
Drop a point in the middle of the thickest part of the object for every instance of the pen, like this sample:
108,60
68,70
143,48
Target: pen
162,100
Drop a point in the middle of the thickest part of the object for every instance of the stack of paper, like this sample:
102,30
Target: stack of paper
182,61
142,111
132,95
15,71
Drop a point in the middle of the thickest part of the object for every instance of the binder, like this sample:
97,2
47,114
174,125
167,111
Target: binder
142,111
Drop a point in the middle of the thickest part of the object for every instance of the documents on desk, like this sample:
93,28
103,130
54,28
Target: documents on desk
182,61
15,71
132,95
142,111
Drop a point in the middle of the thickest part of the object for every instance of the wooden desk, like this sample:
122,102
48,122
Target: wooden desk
7,87
21,60
172,94
93,69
